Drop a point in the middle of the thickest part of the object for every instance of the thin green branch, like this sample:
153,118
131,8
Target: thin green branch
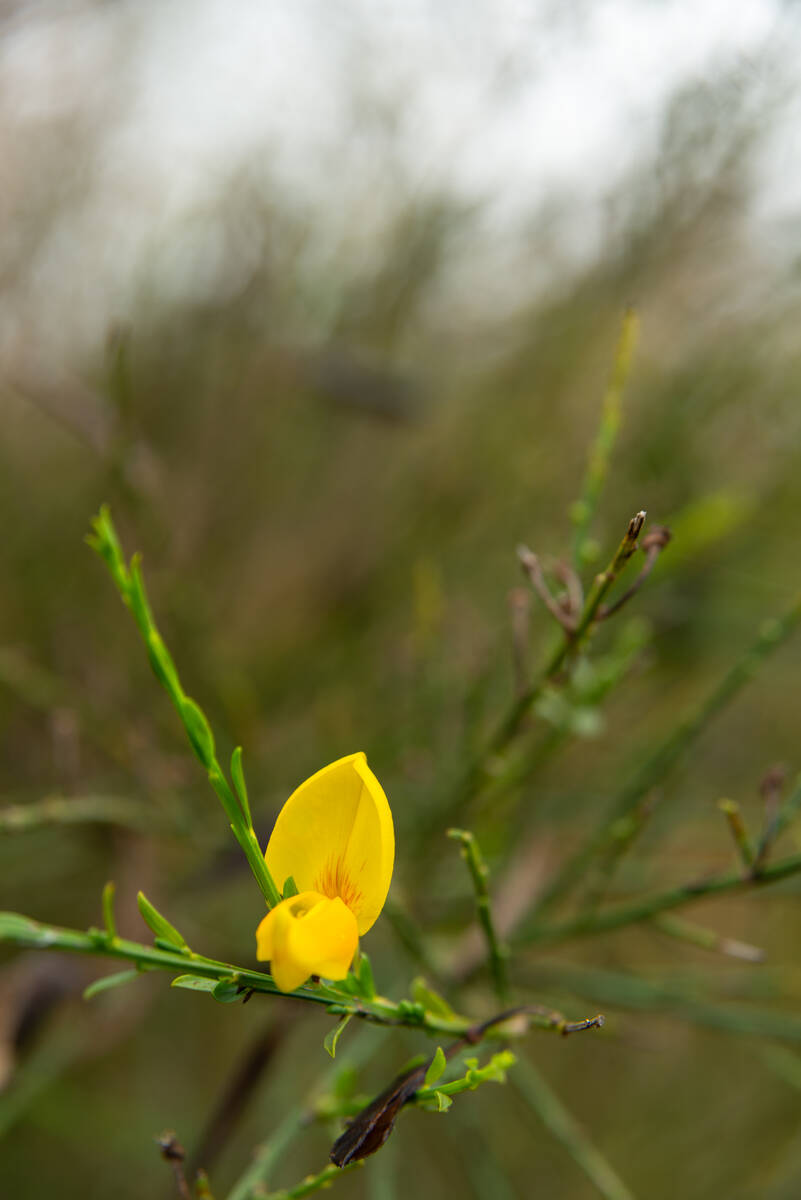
314,1183
492,1072
776,827
772,635
79,810
476,776
479,873
585,507
130,585
676,997
734,819
24,931
642,909
538,1093
265,1157
411,937
706,939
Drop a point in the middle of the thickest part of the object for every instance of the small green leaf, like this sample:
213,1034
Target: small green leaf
24,931
137,595
290,888
365,977
443,1102
411,1011
226,991
171,948
431,1001
163,667
238,776
332,1037
159,924
110,981
199,731
435,1070
194,983
108,909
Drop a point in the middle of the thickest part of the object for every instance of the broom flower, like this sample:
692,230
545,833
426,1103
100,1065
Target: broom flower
334,837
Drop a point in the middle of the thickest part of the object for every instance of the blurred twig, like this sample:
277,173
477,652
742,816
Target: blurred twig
706,939
239,1088
686,1003
776,823
479,874
80,810
510,724
619,915
598,466
772,635
173,1153
557,1119
734,819
251,1182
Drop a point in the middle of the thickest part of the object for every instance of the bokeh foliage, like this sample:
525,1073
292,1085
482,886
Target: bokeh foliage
328,473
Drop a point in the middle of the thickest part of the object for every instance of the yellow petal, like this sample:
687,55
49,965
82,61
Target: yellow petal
308,934
335,836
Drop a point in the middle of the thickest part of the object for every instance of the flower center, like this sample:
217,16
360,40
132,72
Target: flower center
334,880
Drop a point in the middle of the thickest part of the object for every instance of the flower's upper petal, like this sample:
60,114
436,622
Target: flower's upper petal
335,836
308,934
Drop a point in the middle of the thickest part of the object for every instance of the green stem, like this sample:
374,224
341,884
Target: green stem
493,1072
24,931
479,874
706,939
534,1088
62,810
475,777
620,915
267,1155
734,819
130,585
787,813
617,989
772,635
313,1183
598,466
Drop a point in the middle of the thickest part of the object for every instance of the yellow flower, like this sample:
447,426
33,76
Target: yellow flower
335,837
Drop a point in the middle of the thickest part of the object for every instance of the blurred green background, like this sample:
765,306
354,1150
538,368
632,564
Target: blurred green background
328,461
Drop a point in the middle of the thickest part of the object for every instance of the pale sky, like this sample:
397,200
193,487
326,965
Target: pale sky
509,104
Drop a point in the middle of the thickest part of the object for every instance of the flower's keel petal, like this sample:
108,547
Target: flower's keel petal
308,934
325,940
335,836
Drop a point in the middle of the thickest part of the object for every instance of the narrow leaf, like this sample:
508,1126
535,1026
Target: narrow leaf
199,731
443,1102
332,1037
110,981
290,887
431,1001
24,931
163,667
159,924
166,944
365,976
226,991
238,776
137,596
436,1068
194,983
108,909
